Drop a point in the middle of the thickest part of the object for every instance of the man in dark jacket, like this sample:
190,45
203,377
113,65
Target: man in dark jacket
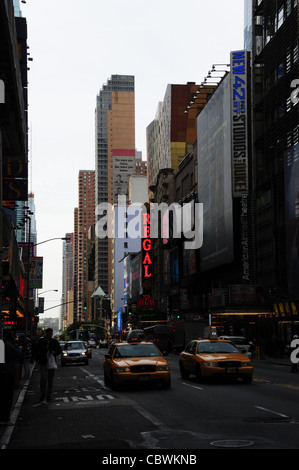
46,347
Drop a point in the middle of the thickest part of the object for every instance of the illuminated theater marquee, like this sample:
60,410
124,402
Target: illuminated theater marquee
146,247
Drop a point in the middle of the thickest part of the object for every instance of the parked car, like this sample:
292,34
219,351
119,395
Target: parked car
206,358
103,343
241,342
92,343
74,351
135,362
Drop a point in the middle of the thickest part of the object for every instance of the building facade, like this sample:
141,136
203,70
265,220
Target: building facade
67,307
275,61
86,219
171,135
115,144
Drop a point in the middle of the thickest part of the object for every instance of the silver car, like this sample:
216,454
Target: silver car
74,351
241,342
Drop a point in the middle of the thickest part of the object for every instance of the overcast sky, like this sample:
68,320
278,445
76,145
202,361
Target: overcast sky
76,46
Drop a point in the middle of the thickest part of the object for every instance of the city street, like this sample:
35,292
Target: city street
85,414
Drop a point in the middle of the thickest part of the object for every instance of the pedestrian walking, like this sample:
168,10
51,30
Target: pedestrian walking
27,357
47,350
8,376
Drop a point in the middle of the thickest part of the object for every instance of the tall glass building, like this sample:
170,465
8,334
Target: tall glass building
16,5
115,134
247,24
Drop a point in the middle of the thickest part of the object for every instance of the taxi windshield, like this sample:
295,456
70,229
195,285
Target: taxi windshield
136,350
216,347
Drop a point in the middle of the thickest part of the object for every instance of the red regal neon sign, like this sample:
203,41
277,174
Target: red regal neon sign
146,246
146,300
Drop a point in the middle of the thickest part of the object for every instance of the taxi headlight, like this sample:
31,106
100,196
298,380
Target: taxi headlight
83,353
211,364
165,367
64,354
122,369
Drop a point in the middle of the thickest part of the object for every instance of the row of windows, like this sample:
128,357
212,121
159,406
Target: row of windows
274,23
284,67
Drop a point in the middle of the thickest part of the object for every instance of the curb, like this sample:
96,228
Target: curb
7,433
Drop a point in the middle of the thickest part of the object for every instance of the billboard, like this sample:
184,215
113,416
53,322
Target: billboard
239,104
36,272
123,168
215,178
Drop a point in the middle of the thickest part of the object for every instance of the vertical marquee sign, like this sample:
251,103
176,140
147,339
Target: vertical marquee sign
146,251
239,133
239,102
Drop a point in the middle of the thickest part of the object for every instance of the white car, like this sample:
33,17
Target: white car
241,342
74,351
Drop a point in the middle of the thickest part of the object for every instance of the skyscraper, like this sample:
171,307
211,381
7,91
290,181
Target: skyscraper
67,298
86,218
114,156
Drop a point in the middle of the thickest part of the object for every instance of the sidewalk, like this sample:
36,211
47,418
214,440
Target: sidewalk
19,395
6,430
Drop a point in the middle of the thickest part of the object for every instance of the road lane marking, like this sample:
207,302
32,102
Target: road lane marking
95,377
153,419
271,411
262,380
193,386
265,381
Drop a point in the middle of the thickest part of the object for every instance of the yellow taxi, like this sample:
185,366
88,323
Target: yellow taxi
214,358
135,362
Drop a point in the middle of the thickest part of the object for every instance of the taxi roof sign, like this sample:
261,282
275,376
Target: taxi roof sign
211,332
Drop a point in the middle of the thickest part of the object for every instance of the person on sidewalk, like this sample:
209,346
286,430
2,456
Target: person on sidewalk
47,349
8,376
27,357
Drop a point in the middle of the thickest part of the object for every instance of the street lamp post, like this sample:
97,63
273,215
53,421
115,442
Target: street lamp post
50,239
27,216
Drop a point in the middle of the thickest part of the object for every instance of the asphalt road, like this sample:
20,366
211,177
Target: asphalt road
190,416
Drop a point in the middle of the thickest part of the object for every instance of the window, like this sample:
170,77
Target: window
295,54
288,60
280,71
280,17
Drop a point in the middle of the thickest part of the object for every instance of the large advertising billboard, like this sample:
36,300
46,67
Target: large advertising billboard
36,272
215,178
123,168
